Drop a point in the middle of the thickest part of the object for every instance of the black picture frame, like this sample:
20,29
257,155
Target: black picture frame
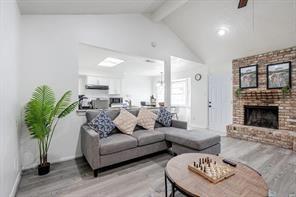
286,74
241,73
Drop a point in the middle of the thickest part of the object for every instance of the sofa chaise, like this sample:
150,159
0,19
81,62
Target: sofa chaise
120,147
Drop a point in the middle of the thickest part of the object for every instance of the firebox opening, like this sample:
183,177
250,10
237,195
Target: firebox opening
262,116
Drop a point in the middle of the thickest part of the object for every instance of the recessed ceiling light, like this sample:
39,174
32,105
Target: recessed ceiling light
222,31
110,62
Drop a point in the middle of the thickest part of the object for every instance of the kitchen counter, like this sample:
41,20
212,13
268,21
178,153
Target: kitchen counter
81,112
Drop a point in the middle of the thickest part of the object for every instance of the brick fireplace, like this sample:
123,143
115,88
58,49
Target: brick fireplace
261,114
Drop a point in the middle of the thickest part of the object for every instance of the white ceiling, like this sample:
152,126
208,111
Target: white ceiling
179,65
88,6
196,23
264,25
91,56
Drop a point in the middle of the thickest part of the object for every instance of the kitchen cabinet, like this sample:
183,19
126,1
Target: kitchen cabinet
113,83
90,80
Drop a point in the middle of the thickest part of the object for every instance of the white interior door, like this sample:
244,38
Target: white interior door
220,107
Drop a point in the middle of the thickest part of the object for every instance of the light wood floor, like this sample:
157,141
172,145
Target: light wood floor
145,177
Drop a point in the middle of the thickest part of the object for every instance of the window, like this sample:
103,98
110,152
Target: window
179,92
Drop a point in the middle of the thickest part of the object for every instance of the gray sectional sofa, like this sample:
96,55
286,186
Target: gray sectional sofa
121,147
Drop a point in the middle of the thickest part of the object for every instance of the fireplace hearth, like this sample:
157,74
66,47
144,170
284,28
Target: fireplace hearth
262,116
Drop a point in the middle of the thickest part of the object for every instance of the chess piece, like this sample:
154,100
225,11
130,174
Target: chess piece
194,164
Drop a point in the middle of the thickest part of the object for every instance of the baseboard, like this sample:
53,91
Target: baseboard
16,184
52,162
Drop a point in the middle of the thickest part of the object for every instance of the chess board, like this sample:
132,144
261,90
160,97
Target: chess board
211,170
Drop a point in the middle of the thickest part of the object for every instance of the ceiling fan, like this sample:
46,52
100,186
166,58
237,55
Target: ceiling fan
242,3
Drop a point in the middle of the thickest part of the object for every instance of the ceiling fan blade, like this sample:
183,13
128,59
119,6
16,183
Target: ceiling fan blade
242,3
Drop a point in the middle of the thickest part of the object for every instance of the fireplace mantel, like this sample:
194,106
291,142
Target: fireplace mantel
263,94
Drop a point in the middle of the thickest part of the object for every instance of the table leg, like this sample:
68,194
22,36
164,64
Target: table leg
173,190
165,183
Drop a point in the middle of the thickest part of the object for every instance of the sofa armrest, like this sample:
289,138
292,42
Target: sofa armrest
179,124
90,146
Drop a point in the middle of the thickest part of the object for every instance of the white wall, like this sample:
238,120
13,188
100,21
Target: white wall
50,56
137,88
9,113
199,91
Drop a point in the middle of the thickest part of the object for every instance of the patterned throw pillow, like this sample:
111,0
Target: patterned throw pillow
102,124
164,117
146,119
125,122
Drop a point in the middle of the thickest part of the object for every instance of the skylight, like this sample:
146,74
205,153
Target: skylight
110,62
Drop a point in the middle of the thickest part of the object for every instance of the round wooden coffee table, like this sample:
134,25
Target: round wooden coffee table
245,182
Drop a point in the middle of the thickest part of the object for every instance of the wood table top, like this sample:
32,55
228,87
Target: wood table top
246,181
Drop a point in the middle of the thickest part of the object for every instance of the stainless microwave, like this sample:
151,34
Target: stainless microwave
115,100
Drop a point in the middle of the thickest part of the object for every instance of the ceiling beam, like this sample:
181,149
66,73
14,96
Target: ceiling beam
168,7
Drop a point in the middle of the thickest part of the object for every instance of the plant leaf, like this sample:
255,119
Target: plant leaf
68,110
61,105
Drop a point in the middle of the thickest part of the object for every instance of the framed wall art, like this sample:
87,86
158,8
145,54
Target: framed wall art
248,77
278,75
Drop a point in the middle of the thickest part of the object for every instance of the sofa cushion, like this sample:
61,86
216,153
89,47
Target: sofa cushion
145,137
125,122
102,124
195,139
146,119
166,130
116,143
164,117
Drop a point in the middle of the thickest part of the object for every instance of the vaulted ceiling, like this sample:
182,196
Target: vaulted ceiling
88,6
263,25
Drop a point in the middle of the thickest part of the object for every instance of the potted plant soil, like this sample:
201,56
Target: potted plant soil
42,114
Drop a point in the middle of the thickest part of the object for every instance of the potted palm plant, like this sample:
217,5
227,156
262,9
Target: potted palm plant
42,114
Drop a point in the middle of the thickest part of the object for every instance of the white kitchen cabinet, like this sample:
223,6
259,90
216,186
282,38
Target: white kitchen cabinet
113,83
104,81
91,80
114,86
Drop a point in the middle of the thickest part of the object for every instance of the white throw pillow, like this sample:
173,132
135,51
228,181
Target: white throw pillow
125,122
146,119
